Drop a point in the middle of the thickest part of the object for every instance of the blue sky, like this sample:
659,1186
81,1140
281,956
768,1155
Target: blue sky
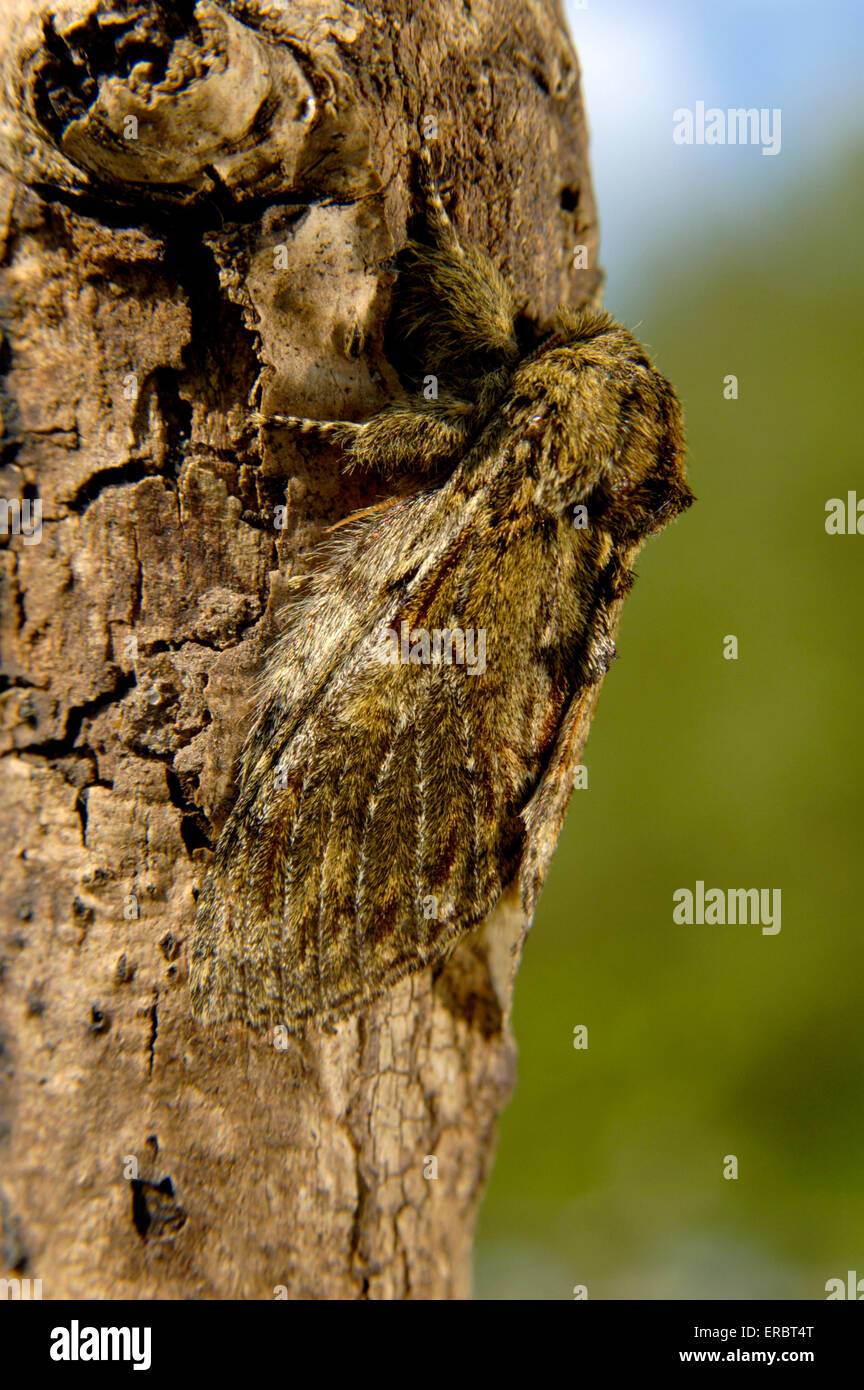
642,61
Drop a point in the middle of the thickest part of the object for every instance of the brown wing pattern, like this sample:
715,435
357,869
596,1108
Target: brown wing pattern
387,823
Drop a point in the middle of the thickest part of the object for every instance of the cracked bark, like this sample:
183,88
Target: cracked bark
235,249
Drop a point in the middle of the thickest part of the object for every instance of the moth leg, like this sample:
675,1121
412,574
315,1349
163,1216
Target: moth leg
325,430
454,312
414,437
440,228
418,437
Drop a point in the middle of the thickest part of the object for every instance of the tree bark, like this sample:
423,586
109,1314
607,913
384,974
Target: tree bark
200,207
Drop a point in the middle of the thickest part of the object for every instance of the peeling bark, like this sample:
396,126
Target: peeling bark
236,250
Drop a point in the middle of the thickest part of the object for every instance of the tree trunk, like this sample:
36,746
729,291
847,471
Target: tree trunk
200,207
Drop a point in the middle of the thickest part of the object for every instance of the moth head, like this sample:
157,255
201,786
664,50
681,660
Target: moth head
605,427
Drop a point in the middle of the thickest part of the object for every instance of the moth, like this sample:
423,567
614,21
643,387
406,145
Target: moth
388,778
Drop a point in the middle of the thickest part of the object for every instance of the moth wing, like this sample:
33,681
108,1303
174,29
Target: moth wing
384,826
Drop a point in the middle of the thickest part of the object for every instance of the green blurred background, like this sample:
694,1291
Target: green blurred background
705,1041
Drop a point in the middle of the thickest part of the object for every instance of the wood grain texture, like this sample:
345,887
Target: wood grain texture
145,309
